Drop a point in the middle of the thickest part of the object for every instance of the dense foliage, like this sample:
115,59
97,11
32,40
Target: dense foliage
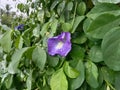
93,62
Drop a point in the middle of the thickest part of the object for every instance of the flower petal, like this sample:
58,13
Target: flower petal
60,44
20,27
52,42
65,49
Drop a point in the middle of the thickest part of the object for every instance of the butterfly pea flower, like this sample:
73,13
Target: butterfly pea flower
20,27
60,45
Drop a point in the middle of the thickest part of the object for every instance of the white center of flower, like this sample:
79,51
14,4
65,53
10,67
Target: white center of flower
59,45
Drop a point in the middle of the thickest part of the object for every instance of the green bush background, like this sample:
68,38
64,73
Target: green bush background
92,64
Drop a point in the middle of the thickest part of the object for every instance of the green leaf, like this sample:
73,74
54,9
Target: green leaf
117,81
40,16
77,52
70,72
3,68
108,75
54,25
59,81
101,25
21,7
54,4
91,74
77,21
110,49
66,27
100,78
60,7
39,57
79,39
50,71
44,29
77,82
81,9
36,31
109,1
103,8
69,6
15,59
5,27
19,42
62,19
96,54
29,52
86,25
8,81
52,61
95,2
46,87
29,81
6,41
27,34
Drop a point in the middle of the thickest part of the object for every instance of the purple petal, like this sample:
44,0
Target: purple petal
52,45
68,36
20,27
60,44
65,49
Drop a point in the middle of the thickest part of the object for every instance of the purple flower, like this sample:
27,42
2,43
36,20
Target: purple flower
60,44
20,27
